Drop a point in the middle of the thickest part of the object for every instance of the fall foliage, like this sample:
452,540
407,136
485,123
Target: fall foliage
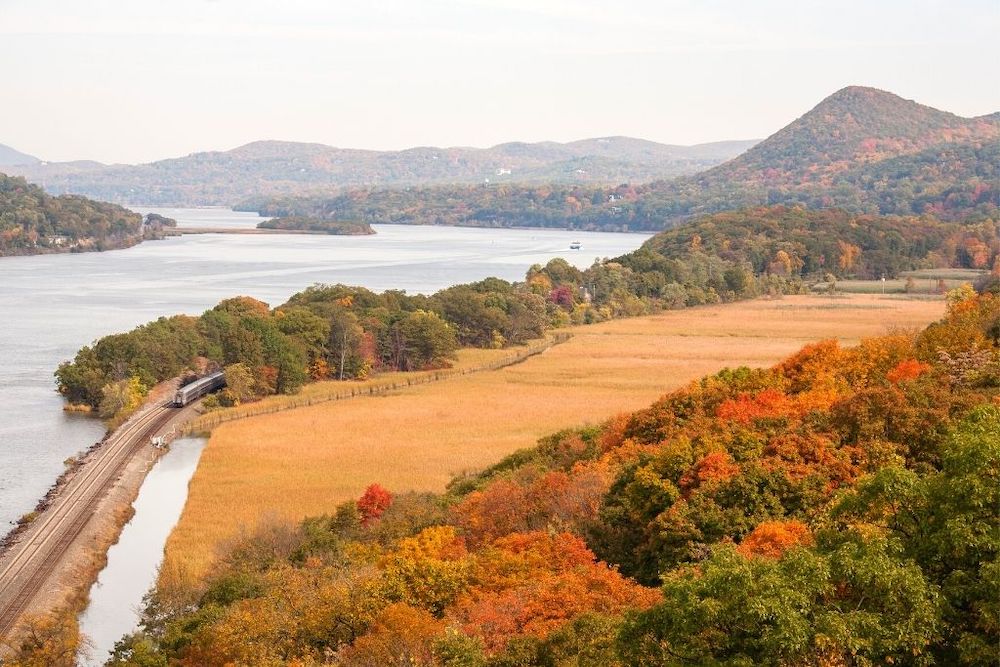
757,515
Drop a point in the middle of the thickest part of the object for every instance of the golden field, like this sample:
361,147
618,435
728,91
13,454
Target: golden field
305,461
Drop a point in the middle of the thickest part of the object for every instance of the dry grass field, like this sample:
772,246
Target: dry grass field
304,461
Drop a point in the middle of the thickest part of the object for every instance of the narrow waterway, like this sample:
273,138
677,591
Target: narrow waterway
116,596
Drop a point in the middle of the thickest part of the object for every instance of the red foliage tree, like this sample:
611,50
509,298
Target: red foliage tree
717,466
908,369
562,296
373,503
745,408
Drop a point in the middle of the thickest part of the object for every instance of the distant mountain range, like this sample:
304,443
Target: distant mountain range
862,150
278,168
10,157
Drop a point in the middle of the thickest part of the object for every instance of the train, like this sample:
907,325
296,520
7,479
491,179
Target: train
198,388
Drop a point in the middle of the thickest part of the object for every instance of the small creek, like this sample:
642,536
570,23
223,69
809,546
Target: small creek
116,596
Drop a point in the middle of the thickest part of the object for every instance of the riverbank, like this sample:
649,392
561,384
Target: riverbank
48,568
184,231
305,461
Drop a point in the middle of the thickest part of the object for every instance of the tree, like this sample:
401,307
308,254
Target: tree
345,341
423,340
373,503
120,399
947,522
240,383
855,605
44,641
401,636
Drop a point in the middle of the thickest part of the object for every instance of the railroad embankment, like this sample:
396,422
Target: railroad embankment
49,565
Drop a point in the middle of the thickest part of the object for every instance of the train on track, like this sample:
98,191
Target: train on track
198,388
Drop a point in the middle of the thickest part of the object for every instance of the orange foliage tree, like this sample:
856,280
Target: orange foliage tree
771,539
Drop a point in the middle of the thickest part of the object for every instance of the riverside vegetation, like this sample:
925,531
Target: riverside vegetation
307,224
33,222
344,332
837,508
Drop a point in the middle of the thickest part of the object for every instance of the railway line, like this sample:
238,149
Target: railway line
36,556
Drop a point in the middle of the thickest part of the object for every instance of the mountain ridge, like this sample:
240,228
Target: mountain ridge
281,168
11,157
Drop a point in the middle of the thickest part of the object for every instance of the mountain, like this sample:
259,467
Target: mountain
33,222
281,168
10,157
863,149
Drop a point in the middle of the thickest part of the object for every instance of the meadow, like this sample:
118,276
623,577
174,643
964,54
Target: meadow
304,461
924,281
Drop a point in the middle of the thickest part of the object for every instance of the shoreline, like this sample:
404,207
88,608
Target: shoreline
64,592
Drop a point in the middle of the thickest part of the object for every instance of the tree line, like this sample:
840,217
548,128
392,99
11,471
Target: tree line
951,181
348,332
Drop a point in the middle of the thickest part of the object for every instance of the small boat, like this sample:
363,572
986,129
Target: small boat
575,245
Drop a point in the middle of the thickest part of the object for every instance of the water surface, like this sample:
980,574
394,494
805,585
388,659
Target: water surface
116,596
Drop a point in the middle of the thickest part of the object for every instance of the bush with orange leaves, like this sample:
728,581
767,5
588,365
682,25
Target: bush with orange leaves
531,584
771,539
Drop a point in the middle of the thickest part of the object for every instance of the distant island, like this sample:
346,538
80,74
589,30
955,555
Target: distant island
311,224
34,223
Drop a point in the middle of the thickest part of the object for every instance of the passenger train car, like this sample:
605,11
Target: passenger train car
199,388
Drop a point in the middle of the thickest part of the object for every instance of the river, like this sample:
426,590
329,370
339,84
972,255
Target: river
50,305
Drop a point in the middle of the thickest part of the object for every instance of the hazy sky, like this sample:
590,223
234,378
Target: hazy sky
137,80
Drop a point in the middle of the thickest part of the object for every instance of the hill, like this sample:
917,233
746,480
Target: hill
863,150
279,168
33,222
794,241
10,157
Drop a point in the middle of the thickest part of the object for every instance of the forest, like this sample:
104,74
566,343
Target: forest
952,182
307,224
33,222
838,508
347,332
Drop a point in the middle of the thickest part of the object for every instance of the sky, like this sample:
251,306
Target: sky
138,80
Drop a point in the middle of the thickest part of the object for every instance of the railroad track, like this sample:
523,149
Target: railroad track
31,561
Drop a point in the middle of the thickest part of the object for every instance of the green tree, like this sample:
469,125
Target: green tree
856,605
423,340
948,523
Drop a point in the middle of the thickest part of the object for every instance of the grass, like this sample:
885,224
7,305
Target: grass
305,461
925,282
469,360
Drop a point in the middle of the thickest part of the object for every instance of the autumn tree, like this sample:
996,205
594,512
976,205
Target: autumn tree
120,399
373,503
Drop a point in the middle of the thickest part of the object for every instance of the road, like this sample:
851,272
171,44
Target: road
37,554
